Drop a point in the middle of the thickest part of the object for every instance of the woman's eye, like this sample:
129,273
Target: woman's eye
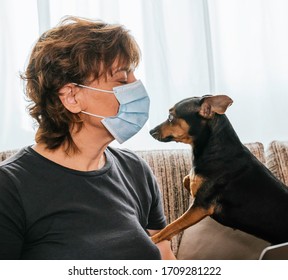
170,118
123,82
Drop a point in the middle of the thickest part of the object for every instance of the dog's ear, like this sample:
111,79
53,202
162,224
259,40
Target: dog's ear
214,104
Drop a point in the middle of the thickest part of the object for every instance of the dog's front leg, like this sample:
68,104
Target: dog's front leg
192,216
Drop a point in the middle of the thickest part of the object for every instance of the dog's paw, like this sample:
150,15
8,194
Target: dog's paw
155,239
160,236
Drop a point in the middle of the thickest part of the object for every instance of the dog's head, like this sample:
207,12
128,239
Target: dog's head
187,118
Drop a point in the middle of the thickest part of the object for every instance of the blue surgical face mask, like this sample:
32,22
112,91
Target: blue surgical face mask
133,110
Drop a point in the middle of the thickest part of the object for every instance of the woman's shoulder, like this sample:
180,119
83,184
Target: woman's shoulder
21,162
13,158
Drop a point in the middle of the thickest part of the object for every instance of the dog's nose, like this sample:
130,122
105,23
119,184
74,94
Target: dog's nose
153,132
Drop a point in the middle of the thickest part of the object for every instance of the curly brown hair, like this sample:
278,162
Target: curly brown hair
77,50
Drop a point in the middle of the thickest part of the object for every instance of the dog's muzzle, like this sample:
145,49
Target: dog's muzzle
155,133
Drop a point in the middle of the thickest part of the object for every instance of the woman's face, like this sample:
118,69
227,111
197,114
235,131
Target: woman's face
104,103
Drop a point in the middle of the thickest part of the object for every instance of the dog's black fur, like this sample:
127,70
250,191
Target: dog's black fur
229,183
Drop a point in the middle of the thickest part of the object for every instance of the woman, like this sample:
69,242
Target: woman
70,196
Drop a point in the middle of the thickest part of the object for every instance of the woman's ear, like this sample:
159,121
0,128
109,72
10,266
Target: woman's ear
68,96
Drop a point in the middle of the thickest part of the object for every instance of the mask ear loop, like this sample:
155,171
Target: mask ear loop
96,89
93,115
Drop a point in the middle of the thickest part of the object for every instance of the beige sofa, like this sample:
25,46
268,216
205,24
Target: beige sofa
207,239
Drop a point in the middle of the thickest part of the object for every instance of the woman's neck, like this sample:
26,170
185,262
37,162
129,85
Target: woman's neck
90,155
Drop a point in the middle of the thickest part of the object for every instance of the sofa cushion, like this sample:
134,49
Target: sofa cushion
277,160
211,240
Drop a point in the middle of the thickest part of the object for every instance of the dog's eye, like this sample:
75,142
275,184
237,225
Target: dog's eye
170,118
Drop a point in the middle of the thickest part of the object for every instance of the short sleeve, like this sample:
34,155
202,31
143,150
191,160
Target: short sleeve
156,217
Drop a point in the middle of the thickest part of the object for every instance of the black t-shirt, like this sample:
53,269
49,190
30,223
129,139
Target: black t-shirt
48,211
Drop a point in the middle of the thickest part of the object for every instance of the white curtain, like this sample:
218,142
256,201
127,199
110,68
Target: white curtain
189,48
18,30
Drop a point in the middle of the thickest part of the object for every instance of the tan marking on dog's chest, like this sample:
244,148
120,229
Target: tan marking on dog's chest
196,182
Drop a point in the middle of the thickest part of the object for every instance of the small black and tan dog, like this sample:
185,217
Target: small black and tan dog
226,182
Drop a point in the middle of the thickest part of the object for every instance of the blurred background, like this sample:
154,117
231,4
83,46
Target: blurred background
189,48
